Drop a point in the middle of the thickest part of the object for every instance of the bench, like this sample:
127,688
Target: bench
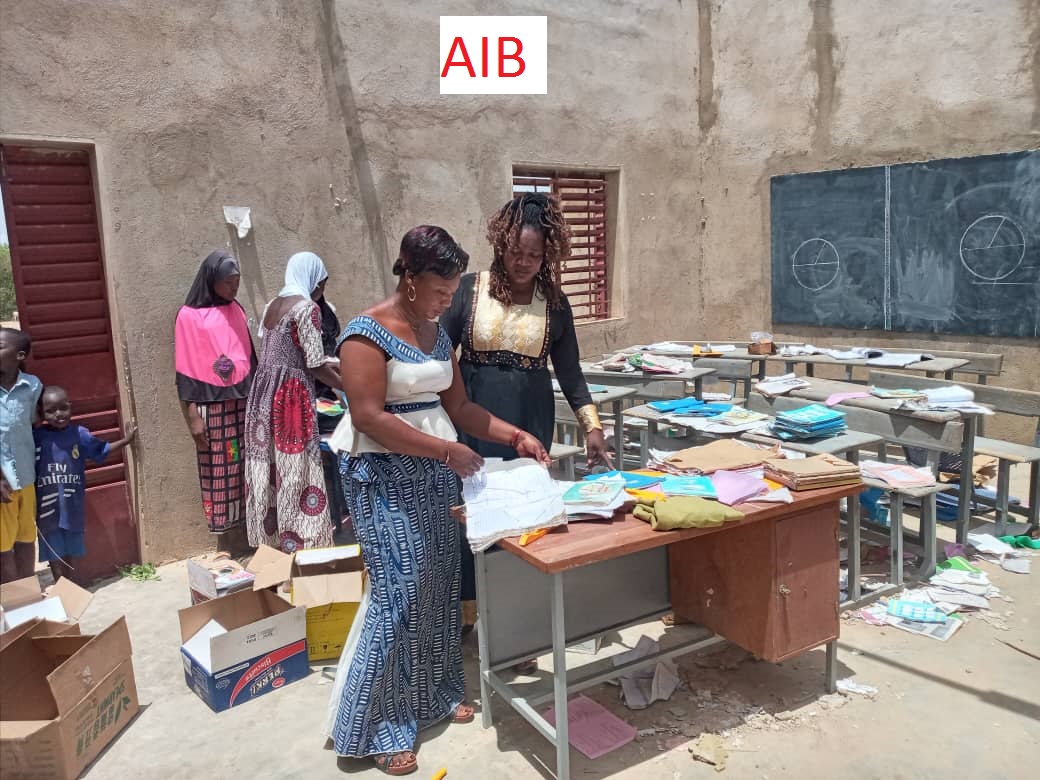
562,456
731,370
1021,403
872,428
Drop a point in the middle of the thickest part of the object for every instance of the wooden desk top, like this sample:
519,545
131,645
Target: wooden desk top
590,541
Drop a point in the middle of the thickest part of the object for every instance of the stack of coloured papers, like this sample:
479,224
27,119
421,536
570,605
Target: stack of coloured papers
809,422
819,471
599,507
897,475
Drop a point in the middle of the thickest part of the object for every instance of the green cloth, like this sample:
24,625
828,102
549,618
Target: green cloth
958,563
668,514
1021,541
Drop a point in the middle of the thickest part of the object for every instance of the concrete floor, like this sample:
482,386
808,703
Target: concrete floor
967,708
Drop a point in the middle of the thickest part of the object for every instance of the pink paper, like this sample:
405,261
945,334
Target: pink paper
591,728
735,487
837,398
954,550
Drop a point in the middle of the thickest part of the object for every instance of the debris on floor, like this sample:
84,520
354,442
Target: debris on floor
848,687
710,749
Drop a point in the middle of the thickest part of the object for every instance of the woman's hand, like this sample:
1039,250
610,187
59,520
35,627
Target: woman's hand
198,432
596,451
527,446
462,460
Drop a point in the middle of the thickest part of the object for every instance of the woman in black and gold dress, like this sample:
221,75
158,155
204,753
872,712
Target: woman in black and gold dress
510,321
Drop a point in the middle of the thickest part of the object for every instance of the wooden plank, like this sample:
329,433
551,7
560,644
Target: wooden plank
987,363
1006,450
1025,403
580,544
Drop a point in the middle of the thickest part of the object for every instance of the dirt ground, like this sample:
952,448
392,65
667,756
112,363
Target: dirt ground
966,708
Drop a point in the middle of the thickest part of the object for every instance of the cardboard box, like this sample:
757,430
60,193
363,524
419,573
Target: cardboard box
216,575
328,582
39,627
64,699
242,646
23,600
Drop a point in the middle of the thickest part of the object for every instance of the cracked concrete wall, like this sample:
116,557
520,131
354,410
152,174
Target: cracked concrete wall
826,84
695,103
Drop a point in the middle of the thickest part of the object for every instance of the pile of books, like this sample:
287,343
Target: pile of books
819,471
815,421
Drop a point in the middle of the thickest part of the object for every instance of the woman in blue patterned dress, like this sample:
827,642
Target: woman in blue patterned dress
401,462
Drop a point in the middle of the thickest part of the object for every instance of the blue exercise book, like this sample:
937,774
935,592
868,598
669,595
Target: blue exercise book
811,416
689,486
690,406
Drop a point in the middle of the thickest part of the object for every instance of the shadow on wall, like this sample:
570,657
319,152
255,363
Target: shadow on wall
252,276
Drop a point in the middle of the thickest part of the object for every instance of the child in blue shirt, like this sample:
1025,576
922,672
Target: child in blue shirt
19,394
62,451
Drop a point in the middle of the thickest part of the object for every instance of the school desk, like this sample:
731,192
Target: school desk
767,583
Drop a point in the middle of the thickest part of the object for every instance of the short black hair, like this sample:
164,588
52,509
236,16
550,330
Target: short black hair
428,248
52,390
21,338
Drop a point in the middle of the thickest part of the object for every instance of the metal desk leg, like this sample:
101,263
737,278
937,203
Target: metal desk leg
619,435
895,544
853,541
482,641
1034,494
647,443
559,637
1003,489
788,366
698,388
928,536
965,490
832,666
810,369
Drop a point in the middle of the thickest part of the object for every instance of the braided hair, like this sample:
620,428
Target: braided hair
540,211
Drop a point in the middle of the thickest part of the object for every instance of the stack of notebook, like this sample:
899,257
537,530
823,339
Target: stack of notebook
809,422
819,471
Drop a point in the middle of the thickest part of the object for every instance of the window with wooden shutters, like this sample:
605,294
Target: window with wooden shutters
583,197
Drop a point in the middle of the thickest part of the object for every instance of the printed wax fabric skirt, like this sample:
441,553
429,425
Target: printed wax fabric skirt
405,672
221,465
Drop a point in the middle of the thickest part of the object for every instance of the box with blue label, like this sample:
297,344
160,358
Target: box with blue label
242,646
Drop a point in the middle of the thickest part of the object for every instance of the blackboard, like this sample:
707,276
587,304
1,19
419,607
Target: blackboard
945,246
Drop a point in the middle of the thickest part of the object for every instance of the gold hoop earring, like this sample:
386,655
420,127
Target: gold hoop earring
411,293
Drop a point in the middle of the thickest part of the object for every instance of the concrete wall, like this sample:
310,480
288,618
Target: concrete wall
287,107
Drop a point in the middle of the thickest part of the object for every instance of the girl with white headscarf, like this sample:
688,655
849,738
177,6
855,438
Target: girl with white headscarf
286,505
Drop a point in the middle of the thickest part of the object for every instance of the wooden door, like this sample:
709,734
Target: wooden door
60,290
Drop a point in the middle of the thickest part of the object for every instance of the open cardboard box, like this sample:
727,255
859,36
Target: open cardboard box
23,600
215,575
242,646
64,698
327,581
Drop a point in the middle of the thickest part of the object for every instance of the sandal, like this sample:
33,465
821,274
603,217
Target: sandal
403,763
464,713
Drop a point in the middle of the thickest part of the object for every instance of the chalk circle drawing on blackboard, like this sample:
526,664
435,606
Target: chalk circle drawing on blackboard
815,264
992,247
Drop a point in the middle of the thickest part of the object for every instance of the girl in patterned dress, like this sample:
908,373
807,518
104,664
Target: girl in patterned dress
401,668
215,362
286,504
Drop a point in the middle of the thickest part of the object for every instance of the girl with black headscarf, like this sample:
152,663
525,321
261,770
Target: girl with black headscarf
215,363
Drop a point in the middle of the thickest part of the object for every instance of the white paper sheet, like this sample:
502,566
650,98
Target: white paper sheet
519,496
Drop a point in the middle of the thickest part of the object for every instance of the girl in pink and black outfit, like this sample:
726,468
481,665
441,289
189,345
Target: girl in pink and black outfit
215,366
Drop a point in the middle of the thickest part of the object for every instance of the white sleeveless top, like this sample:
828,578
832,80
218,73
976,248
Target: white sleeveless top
413,381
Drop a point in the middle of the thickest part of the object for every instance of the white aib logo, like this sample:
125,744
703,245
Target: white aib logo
493,55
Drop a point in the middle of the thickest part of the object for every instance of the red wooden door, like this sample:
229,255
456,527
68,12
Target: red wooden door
62,303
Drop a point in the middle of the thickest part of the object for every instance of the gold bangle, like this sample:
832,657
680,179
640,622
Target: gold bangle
588,416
